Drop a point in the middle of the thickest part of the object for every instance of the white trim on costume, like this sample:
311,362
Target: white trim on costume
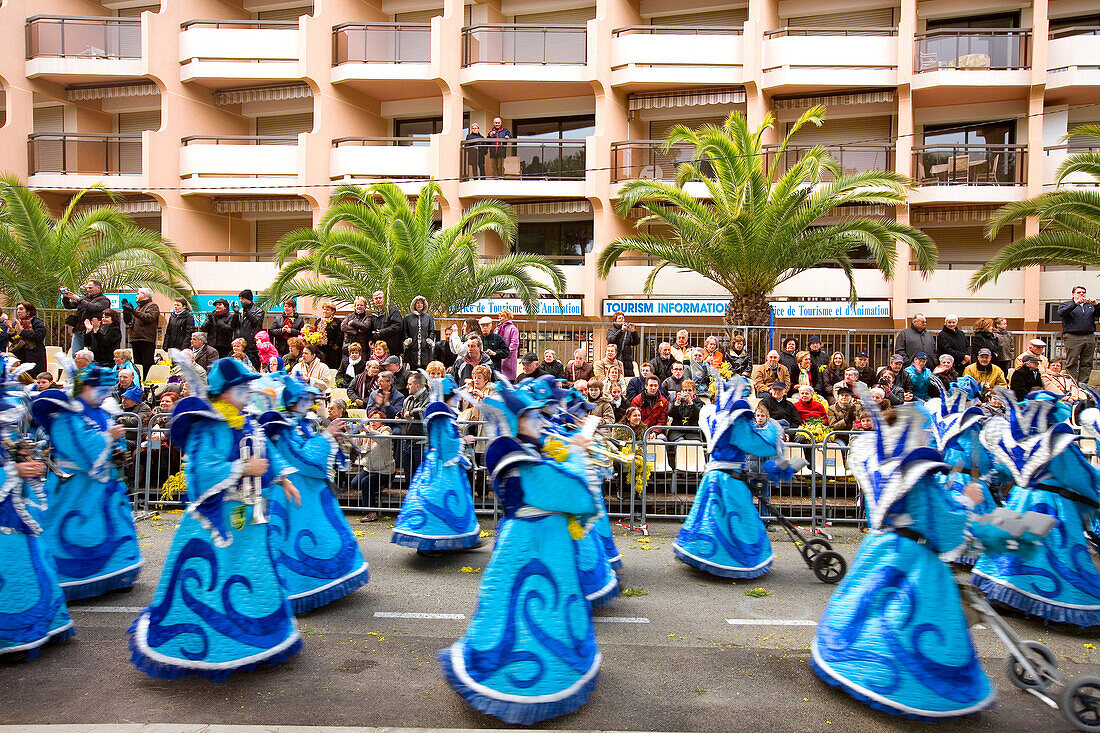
596,594
771,558
141,631
37,643
365,567
86,581
1022,592
438,536
458,663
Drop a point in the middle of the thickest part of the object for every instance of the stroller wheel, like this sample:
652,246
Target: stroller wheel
1081,704
814,547
829,566
1042,659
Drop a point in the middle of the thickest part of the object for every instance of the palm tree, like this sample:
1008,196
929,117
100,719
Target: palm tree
377,239
40,253
1069,222
759,227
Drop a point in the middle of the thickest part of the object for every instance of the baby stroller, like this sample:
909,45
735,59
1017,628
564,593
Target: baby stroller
828,565
1031,665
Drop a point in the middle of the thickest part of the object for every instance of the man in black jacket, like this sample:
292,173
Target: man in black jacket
385,323
529,368
1027,377
246,321
625,336
88,306
662,363
1079,317
418,328
492,343
779,408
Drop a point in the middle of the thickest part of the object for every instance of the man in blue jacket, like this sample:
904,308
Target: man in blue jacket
1079,317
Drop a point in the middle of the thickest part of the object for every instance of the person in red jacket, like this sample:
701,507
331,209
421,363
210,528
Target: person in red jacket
654,407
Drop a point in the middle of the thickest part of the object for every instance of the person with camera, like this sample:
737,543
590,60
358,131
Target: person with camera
142,322
682,413
87,306
625,337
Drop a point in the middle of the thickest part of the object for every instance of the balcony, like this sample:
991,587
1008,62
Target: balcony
369,159
225,53
802,59
1055,155
371,56
68,160
239,164
972,174
529,167
83,49
852,158
555,57
646,56
1073,64
992,62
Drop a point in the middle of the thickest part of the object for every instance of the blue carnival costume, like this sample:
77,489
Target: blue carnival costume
530,650
723,533
955,429
32,604
1053,477
438,510
598,560
219,607
89,527
894,634
316,555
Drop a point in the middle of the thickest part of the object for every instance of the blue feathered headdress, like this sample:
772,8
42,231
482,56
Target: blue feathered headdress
507,403
1033,433
950,417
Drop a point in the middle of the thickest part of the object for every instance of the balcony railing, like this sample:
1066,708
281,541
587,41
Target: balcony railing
523,159
852,158
84,154
679,30
634,159
511,43
83,37
410,141
278,25
970,165
971,49
382,43
240,140
877,31
1077,30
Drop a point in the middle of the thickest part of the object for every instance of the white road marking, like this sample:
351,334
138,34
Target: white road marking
770,622
620,620
105,609
435,616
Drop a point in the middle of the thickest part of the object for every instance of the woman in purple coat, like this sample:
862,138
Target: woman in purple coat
507,330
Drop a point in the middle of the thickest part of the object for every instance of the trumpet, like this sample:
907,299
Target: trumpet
250,491
23,450
602,450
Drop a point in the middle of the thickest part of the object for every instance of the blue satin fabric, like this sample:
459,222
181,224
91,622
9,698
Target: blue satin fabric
218,609
89,525
893,634
530,650
32,605
723,533
317,557
438,510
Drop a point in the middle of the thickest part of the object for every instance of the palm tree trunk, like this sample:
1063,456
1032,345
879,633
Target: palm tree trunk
752,309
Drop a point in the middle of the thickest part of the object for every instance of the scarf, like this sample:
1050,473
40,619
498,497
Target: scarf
233,416
352,363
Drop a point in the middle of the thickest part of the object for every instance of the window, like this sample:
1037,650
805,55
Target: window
1000,20
977,133
555,239
557,128
422,127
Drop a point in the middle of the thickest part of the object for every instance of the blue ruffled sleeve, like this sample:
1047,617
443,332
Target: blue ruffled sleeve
316,455
558,487
210,474
937,514
82,448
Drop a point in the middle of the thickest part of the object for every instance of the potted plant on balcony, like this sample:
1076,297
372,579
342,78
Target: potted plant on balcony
377,238
760,225
1069,222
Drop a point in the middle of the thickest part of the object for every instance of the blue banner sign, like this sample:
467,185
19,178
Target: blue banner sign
547,307
714,307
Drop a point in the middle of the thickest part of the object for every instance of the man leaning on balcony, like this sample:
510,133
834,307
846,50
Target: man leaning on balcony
1079,333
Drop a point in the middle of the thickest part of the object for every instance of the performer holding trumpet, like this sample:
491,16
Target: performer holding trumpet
219,607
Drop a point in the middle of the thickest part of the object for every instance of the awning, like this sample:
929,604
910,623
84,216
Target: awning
116,91
578,206
133,207
261,205
963,215
685,98
262,94
833,100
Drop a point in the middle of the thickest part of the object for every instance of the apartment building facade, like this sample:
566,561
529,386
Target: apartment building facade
225,123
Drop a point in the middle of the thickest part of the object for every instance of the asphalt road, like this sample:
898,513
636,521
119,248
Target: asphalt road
671,660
